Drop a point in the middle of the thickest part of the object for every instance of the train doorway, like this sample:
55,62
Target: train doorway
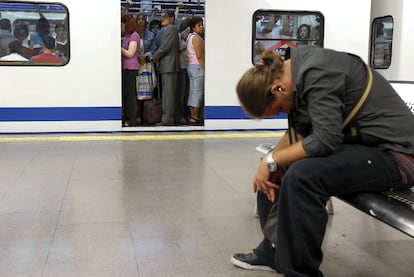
169,86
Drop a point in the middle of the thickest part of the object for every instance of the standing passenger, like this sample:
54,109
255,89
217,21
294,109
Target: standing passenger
155,27
5,36
167,56
62,46
15,49
47,52
182,82
195,69
21,33
303,34
130,66
146,36
36,39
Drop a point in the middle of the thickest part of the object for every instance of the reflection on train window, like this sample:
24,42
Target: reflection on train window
381,42
277,30
34,34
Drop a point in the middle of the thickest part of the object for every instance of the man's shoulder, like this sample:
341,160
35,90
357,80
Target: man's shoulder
171,29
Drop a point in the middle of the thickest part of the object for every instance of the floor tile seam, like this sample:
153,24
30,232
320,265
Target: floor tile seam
59,216
131,237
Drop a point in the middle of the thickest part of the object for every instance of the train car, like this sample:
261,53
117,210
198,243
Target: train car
395,20
83,93
229,47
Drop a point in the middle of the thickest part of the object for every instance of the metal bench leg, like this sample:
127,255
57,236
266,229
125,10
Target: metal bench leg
255,212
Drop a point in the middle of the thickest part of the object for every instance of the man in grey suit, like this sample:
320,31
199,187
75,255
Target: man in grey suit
5,36
169,66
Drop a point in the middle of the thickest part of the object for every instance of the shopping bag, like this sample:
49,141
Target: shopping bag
144,83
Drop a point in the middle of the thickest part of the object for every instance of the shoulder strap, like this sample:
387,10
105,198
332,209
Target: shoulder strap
362,99
350,116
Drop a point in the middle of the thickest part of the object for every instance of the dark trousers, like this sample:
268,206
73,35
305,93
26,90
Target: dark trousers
169,87
181,109
265,251
129,95
306,187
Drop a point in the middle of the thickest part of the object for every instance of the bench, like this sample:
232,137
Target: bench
395,208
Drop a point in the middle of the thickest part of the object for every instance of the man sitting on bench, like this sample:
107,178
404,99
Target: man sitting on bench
352,137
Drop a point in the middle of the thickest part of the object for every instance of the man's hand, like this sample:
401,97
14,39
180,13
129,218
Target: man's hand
265,181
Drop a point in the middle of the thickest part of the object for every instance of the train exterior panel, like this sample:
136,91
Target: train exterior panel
228,49
85,94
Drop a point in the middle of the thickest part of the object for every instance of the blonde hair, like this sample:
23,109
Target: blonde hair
253,87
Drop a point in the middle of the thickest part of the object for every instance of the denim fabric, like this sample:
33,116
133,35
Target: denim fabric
196,90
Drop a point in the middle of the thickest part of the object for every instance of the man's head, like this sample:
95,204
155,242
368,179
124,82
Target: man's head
265,90
167,18
15,47
49,42
5,24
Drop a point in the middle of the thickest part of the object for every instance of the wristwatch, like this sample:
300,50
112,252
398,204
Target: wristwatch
271,164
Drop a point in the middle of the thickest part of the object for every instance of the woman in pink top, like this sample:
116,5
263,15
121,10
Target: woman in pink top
130,66
195,68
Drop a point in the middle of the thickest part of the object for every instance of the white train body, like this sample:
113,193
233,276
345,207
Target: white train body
85,94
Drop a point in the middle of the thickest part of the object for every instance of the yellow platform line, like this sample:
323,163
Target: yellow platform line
141,137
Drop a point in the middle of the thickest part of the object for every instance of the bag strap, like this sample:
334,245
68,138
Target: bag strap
362,99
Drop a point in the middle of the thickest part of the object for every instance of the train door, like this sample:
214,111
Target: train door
148,15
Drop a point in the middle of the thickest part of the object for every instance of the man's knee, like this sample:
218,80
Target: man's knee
300,171
304,175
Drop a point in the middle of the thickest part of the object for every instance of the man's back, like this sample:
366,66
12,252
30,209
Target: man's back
168,51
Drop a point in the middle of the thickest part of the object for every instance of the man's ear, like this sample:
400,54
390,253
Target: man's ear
278,88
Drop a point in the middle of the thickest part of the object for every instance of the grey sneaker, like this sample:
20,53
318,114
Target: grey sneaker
249,261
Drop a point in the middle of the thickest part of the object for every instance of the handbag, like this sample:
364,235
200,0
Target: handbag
269,229
144,83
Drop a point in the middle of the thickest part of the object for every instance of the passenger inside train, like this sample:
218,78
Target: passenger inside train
30,24
166,96
277,31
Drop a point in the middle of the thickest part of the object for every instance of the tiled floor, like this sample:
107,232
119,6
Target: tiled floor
173,207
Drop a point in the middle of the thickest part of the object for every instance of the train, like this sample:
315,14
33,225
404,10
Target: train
83,94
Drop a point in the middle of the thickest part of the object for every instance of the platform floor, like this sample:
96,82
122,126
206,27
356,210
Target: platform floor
157,205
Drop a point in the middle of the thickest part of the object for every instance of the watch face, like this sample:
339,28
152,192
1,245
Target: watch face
271,167
271,164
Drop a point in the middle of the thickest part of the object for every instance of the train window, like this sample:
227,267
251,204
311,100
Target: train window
381,42
277,30
34,34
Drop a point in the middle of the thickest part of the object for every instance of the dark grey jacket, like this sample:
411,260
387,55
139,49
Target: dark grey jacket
326,84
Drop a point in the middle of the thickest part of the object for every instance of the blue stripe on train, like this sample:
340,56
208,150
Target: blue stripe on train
228,112
102,113
61,114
